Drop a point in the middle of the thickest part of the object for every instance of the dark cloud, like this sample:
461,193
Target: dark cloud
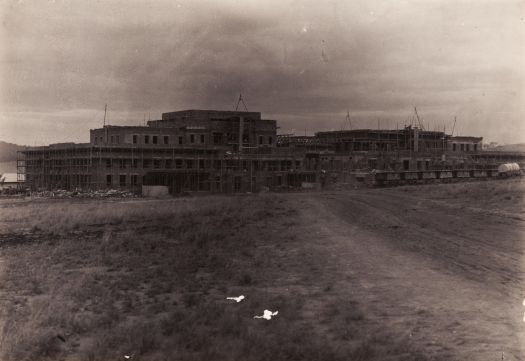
304,63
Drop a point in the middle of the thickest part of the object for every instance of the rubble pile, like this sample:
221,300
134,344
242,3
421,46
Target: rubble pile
61,193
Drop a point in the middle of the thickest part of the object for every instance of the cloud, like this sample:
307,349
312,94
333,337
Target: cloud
374,58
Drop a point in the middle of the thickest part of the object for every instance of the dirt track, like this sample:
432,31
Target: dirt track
449,278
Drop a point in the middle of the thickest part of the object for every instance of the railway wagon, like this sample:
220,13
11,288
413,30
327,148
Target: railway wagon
420,177
429,175
444,174
479,174
462,174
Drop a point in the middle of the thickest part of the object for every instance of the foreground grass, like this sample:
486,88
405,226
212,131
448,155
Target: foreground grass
101,280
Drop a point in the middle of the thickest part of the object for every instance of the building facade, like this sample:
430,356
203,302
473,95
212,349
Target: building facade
465,144
229,151
193,150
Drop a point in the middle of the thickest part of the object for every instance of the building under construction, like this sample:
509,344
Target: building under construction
234,151
192,150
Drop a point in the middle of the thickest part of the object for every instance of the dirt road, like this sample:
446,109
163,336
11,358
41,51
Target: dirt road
449,278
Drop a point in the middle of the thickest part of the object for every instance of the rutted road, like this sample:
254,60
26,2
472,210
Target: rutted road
450,279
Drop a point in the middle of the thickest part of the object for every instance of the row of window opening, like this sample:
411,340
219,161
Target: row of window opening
156,139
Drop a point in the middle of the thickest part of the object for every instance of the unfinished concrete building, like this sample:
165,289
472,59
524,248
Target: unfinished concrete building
409,148
384,140
465,144
234,151
192,150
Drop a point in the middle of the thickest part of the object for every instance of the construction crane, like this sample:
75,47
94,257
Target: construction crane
418,120
239,102
347,122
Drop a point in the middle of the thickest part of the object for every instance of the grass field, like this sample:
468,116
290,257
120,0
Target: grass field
498,196
99,280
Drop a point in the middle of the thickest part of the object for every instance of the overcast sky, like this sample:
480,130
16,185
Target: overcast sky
304,63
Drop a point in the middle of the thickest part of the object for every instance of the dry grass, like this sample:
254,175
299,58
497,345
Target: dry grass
59,216
505,195
102,279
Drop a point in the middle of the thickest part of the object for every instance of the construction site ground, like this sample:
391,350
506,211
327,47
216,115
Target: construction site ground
430,272
443,263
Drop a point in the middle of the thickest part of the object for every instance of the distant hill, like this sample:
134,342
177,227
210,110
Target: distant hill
7,167
8,151
510,148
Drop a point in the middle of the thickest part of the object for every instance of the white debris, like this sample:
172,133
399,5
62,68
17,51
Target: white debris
523,302
236,299
267,315
127,357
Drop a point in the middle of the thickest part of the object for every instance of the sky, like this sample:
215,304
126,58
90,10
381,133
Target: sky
304,63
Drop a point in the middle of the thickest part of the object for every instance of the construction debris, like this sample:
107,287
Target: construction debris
61,193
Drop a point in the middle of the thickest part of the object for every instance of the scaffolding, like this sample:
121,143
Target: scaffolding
241,155
20,170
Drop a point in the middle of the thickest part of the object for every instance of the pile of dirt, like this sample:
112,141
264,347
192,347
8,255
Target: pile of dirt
107,193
